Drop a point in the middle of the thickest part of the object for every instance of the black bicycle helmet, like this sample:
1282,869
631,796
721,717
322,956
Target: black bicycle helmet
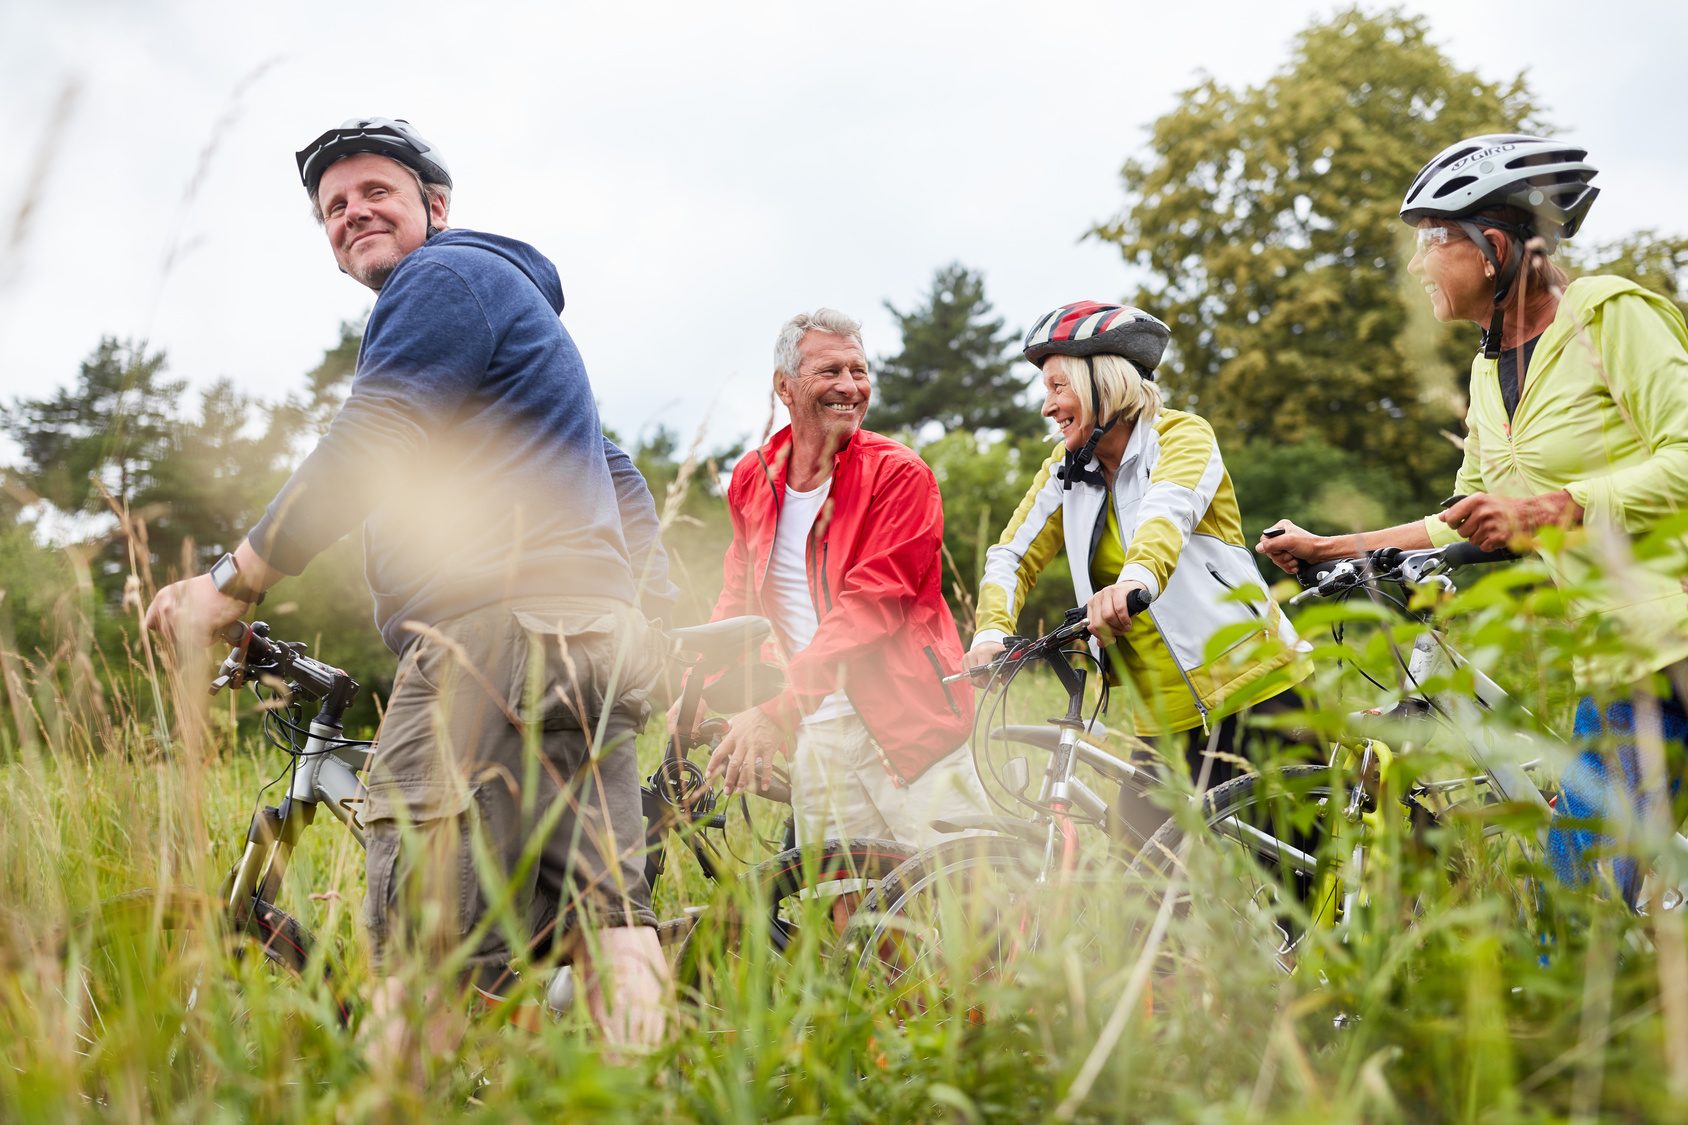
392,137
1092,328
1546,179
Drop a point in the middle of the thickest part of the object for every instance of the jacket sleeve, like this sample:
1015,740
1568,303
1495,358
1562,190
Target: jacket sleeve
1182,485
901,543
1032,539
642,532
735,599
1469,479
1642,348
426,350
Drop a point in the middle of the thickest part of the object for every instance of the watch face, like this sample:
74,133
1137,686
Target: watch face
224,571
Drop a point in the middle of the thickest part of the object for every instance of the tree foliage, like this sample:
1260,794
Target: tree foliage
957,365
1656,261
1266,221
109,429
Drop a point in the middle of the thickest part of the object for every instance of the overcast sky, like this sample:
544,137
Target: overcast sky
698,172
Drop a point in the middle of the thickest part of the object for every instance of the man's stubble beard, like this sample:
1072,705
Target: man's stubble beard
375,274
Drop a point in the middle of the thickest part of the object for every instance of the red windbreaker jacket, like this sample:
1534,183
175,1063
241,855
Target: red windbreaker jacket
886,636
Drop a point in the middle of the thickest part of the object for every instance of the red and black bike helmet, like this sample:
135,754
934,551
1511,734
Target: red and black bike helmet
1088,329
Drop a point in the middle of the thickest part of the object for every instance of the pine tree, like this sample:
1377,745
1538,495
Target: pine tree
956,367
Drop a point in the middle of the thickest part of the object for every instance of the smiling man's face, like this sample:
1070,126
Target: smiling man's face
374,215
828,399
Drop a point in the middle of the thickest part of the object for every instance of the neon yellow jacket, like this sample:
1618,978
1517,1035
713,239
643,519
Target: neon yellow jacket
1603,414
1185,543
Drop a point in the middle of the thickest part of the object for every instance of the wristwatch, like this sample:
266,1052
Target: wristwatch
225,574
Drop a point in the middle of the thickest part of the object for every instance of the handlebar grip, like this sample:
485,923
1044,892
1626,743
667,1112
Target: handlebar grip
1468,554
1136,602
1311,574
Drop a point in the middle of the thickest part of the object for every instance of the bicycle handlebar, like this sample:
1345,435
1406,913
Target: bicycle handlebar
1390,564
255,654
1017,650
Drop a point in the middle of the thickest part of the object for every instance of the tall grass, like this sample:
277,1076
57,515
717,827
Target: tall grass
1464,986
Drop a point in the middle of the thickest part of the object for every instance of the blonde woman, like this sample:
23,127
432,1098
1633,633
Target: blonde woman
1138,496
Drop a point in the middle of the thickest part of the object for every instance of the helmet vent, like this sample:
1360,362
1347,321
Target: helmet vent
1562,156
1454,185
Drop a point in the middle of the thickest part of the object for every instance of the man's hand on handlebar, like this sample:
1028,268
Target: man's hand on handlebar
745,758
193,611
1109,610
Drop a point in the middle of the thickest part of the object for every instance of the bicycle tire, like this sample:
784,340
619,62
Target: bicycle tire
1239,800
778,888
133,918
960,923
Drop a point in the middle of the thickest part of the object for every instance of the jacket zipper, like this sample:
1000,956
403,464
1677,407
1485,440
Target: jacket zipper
1111,496
1201,708
768,475
897,778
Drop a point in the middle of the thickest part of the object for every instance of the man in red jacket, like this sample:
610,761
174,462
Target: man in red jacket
837,539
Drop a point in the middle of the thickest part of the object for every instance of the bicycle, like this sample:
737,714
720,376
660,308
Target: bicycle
123,935
1296,836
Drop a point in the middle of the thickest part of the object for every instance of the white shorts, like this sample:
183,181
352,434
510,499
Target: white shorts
841,789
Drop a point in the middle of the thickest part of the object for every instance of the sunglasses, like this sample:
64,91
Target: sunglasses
1430,237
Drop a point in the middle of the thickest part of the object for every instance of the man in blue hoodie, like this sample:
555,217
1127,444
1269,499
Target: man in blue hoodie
513,555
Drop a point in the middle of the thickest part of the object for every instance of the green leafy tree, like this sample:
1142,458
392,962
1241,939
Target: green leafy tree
982,484
1658,262
109,429
957,366
1266,220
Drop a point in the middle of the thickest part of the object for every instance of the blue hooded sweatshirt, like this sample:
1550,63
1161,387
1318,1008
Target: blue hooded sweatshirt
471,448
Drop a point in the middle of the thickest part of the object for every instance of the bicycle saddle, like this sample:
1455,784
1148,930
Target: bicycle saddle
721,641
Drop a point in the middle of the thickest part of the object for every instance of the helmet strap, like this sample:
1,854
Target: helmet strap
1077,464
1504,276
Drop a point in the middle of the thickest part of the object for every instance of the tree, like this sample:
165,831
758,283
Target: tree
1267,222
110,428
956,367
1645,257
982,483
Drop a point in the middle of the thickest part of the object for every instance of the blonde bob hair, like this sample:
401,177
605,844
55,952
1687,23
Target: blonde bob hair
1126,395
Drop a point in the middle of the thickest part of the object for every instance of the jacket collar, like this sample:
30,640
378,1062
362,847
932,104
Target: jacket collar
776,459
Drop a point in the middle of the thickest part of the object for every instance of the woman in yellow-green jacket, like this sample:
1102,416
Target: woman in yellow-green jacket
1138,497
1578,419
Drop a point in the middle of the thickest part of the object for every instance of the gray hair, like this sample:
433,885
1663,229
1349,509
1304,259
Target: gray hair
428,191
787,358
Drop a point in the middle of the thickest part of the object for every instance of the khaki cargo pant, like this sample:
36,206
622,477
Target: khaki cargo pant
506,780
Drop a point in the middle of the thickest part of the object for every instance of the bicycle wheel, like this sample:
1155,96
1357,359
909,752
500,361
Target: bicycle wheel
802,898
1269,834
144,954
971,929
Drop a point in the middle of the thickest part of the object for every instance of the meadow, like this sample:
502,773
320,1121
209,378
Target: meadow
1463,986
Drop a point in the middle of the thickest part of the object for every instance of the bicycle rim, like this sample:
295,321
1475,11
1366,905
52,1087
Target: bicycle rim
798,901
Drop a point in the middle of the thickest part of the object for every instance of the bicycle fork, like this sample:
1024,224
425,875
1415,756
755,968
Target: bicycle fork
326,773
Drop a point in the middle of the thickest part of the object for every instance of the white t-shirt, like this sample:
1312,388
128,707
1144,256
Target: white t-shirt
788,583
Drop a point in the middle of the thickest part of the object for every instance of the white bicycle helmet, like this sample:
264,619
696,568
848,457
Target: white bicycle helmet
1546,179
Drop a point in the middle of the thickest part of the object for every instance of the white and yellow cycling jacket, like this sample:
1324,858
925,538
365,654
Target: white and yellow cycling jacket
1182,538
